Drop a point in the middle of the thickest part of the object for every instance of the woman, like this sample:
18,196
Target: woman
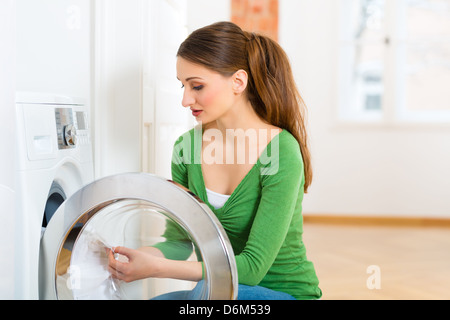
240,88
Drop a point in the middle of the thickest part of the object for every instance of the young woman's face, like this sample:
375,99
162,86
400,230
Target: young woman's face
208,94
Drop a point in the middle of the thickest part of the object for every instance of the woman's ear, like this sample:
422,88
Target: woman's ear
240,81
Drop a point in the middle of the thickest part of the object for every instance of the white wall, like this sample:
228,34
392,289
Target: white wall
7,146
54,57
359,170
201,13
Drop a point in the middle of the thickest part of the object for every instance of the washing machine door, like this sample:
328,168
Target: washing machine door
133,210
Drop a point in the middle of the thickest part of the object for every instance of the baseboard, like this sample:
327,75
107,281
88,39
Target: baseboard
377,221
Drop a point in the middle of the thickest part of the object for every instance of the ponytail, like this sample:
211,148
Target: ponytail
272,92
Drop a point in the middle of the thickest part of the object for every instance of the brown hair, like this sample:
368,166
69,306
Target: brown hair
225,48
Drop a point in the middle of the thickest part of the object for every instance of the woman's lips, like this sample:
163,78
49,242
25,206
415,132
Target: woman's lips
196,113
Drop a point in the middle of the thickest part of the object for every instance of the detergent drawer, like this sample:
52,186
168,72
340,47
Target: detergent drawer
136,211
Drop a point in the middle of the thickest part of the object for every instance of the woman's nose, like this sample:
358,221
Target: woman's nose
188,100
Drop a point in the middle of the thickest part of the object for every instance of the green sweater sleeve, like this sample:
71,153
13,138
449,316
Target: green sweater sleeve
282,185
177,244
178,166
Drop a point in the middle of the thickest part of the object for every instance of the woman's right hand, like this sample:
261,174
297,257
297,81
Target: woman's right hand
141,264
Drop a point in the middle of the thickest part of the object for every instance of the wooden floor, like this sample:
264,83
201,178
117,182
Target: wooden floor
413,262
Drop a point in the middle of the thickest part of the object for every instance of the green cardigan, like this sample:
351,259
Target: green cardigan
262,217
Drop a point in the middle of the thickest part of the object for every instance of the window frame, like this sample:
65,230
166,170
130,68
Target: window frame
394,111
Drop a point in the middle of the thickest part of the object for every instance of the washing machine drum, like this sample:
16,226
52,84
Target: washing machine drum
134,211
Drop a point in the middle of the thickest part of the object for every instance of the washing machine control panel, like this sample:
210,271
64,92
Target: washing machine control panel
82,129
71,127
65,128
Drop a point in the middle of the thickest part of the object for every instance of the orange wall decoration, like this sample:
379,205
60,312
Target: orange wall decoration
257,16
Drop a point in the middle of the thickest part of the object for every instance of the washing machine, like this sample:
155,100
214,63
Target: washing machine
66,220
54,155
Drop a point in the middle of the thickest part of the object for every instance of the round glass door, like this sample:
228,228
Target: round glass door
134,211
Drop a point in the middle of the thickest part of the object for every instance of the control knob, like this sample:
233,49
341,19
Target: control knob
70,135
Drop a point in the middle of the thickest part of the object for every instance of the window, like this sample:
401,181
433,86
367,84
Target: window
394,60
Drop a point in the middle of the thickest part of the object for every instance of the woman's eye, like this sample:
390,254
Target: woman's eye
197,88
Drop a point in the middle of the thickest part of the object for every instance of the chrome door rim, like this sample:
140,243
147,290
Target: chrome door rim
181,205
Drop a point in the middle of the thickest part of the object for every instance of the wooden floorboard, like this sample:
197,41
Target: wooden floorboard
413,262
384,221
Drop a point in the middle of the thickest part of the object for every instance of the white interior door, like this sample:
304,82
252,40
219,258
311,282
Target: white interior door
164,118
137,97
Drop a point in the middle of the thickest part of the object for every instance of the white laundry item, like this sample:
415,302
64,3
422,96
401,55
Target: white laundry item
89,275
217,200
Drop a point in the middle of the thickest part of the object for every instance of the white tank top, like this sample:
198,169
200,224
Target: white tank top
217,200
